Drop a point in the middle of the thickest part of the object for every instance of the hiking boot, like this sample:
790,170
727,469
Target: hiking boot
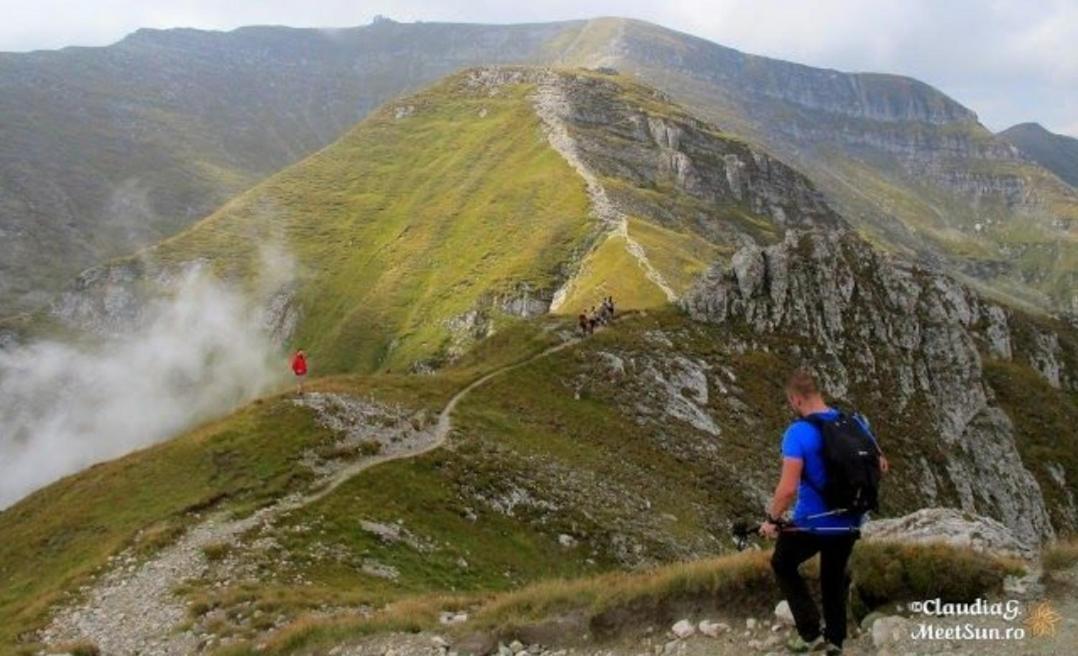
831,649
798,645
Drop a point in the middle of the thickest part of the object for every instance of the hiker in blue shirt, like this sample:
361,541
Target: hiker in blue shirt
812,448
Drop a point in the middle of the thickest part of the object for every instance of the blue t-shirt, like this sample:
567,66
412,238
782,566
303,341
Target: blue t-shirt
803,441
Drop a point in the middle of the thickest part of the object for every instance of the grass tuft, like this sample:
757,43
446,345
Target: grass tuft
737,584
1061,555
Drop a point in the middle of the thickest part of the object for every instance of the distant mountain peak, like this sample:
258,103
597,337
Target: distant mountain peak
1056,152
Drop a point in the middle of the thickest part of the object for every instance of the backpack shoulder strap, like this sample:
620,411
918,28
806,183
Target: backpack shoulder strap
819,422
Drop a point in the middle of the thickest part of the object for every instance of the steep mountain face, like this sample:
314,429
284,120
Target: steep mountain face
107,149
1056,152
928,353
499,192
104,150
909,166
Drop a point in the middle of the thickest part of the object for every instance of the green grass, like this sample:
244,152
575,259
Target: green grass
406,223
1044,419
566,431
610,270
885,573
55,538
680,256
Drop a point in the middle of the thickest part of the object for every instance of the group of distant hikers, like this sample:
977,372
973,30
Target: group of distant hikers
596,316
831,469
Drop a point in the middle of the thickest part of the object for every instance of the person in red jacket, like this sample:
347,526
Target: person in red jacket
299,368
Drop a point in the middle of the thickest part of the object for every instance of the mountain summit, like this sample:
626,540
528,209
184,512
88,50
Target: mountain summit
1056,152
498,192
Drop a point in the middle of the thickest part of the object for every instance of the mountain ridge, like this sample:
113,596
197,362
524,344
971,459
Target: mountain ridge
948,193
427,246
1056,152
940,188
638,176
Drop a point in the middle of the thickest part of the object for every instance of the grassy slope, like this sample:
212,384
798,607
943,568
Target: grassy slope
1044,420
617,604
409,222
57,537
566,434
405,223
1056,152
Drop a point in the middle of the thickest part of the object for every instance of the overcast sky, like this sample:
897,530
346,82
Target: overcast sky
1010,61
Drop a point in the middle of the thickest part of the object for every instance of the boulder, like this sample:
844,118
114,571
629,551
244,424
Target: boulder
712,629
683,629
888,630
783,613
953,527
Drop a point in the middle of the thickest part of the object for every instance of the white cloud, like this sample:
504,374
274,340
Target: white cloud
199,354
1018,57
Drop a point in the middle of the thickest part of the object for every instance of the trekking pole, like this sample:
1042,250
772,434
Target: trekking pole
743,530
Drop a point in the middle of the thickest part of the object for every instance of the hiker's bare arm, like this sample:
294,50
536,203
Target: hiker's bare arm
785,493
884,465
786,490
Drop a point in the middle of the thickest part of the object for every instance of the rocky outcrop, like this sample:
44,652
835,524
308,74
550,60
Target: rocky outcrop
660,148
866,321
950,526
553,106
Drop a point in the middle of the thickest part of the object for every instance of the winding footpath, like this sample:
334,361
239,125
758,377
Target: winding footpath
133,608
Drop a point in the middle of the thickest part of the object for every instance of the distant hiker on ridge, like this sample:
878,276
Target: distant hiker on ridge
299,368
831,464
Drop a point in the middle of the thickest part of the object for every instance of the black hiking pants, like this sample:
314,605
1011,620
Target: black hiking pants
794,548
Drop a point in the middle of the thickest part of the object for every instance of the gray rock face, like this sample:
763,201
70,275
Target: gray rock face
865,319
102,301
702,165
953,527
868,140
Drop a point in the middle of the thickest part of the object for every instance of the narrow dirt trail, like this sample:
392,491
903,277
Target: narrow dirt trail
552,106
133,609
442,428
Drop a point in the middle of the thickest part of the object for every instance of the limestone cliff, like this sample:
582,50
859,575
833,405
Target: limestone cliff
875,326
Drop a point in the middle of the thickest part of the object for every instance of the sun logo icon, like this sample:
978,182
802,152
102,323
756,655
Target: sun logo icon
1042,620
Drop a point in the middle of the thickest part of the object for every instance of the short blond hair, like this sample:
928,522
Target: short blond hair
802,382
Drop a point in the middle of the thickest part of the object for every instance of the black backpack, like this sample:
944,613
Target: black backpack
851,462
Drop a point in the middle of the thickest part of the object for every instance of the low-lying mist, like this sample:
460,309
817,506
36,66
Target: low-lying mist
197,353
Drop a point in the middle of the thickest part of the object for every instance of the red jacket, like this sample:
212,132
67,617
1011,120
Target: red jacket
299,365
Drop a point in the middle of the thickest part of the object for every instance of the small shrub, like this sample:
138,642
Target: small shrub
1061,555
217,551
886,572
157,536
349,451
81,648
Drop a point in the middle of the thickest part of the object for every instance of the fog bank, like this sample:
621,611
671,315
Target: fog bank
196,355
